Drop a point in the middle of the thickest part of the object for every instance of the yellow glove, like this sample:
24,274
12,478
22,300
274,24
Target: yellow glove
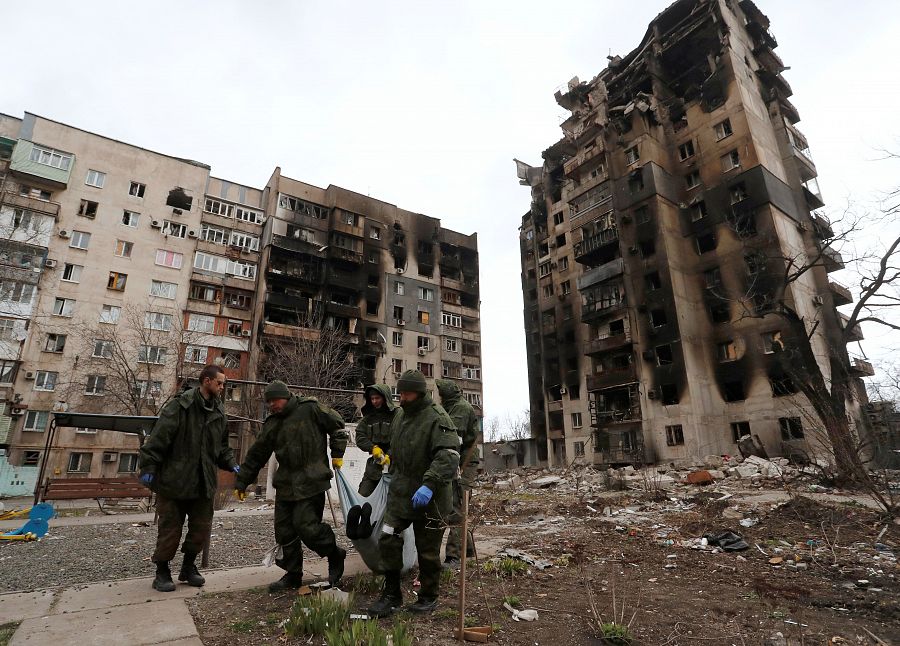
337,463
386,461
240,494
380,456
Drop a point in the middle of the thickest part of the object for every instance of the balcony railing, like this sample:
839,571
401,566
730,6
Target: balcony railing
859,367
595,242
609,417
840,293
600,308
8,198
612,377
607,343
832,259
855,333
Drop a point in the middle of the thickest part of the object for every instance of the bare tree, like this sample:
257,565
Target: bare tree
319,356
778,276
133,366
510,427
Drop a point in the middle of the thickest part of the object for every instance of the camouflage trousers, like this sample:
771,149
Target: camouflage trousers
428,530
300,521
172,513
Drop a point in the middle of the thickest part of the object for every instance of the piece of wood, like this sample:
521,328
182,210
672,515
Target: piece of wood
478,634
464,530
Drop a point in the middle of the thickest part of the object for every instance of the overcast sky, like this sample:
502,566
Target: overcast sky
422,104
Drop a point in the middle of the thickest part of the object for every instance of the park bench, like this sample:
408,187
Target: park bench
99,489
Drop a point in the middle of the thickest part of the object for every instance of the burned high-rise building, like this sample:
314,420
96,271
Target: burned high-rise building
655,241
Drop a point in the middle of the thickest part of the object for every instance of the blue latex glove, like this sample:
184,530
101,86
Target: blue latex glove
146,479
422,497
236,468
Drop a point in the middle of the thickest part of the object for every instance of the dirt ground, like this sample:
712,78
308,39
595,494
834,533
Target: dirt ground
813,572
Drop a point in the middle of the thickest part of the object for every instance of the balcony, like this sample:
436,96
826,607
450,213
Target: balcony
584,250
340,309
822,227
600,274
855,333
806,168
832,259
612,377
597,309
812,194
606,418
290,331
840,293
859,367
21,165
556,434
554,406
295,244
288,302
607,343
15,200
347,255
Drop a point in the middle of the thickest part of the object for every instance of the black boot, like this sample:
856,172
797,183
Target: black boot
163,579
423,604
336,566
290,581
189,572
391,596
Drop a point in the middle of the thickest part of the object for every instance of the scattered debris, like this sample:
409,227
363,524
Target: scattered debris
545,482
540,564
728,541
522,615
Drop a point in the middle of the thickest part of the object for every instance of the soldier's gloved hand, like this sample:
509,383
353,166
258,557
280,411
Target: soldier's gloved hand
386,462
240,494
146,479
337,463
380,456
236,468
422,497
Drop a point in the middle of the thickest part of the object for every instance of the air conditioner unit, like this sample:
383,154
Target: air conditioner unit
633,250
818,301
16,412
401,322
177,211
63,233
49,263
399,270
246,333
422,351
192,234
109,457
156,224
29,376
652,394
562,390
803,226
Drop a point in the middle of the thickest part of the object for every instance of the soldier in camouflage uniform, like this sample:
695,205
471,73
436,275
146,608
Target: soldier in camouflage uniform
373,435
424,459
179,460
468,427
296,431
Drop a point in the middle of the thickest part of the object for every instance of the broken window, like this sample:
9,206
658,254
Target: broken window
658,318
561,240
557,219
756,263
730,161
720,312
791,428
664,356
424,317
739,430
565,287
647,248
727,351
398,313
123,248
712,278
116,281
686,150
55,343
63,306
669,394
179,199
617,327
723,129
631,155
130,218
733,391
698,211
544,268
136,189
88,209
692,179
782,385
653,281
567,312
674,435
771,342
548,290
564,263
636,182
738,193
706,243
371,308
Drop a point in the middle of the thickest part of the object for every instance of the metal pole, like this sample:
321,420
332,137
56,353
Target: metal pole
48,443
462,565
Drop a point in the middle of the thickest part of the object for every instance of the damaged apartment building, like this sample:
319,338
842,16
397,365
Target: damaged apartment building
124,271
659,225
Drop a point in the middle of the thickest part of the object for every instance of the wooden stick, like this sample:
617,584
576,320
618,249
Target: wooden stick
462,565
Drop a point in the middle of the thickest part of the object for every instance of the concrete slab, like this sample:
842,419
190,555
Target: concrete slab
137,625
23,605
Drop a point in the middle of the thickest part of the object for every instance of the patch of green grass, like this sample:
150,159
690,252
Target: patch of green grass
471,622
448,575
367,633
6,633
314,615
614,633
243,626
513,601
272,619
445,613
512,567
563,560
368,583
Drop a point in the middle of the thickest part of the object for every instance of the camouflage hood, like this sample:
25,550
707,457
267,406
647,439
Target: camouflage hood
383,390
448,390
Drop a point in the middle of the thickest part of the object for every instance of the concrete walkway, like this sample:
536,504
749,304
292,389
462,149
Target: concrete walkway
129,611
